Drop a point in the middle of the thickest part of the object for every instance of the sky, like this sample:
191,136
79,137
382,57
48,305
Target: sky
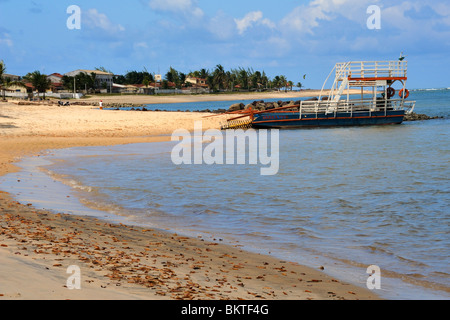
283,37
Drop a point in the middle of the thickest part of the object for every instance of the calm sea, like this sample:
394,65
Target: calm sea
344,198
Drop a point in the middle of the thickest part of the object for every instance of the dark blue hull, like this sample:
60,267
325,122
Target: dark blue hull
292,119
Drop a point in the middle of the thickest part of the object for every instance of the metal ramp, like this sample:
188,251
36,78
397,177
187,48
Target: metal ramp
237,124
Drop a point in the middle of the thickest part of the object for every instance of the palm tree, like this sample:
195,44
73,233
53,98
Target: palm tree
39,81
146,83
291,84
264,80
219,76
93,80
173,76
243,78
2,72
283,83
204,74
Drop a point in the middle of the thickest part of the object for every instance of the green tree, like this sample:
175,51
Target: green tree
275,83
92,81
204,74
264,80
231,80
146,83
67,82
283,83
173,76
290,84
2,72
219,77
243,78
256,80
120,79
81,81
134,77
39,81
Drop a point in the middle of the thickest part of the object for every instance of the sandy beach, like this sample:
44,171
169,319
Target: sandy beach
127,262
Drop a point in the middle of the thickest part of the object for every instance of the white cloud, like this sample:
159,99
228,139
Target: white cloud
140,45
97,20
249,19
186,7
354,10
304,19
252,18
5,39
221,26
443,9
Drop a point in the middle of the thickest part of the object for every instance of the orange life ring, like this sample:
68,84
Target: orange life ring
406,93
390,92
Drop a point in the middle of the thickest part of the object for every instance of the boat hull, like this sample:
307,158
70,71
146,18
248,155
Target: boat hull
292,119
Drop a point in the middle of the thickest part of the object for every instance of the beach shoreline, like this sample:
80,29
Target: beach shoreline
121,261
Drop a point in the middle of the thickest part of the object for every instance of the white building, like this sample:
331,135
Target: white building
197,82
10,77
55,78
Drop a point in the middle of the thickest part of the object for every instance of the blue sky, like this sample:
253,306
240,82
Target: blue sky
283,37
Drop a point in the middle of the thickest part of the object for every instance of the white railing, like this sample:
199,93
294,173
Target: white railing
364,105
372,69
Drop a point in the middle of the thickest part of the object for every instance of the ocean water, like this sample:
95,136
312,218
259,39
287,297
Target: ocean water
344,198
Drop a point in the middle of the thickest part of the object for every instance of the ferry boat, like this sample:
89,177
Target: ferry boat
379,103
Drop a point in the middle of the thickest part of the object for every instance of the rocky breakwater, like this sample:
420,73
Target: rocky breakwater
120,106
262,105
142,107
419,117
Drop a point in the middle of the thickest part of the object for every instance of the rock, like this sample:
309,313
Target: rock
260,106
219,111
419,117
236,107
269,106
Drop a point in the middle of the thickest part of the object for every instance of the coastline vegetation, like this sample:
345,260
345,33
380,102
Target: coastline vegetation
217,80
